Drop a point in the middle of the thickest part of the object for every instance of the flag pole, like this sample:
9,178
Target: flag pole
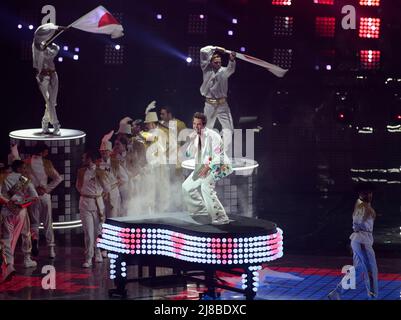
57,34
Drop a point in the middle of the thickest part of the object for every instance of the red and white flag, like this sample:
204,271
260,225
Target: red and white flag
276,70
99,20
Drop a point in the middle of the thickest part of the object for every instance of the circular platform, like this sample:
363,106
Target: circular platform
65,152
36,134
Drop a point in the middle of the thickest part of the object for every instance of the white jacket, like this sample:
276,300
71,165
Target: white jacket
211,154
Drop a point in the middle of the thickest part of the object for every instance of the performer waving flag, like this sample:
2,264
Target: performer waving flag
99,20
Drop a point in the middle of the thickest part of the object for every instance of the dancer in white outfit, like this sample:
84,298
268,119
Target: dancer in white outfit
112,200
90,185
364,259
215,88
40,170
43,54
15,222
211,165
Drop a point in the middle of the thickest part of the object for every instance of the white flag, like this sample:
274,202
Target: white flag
99,20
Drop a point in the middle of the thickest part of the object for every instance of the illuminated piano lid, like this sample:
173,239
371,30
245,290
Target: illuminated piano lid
239,225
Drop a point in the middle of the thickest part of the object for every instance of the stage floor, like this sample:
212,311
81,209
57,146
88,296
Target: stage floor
293,277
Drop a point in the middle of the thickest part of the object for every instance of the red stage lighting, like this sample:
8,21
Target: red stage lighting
371,3
281,2
369,28
324,2
325,26
370,59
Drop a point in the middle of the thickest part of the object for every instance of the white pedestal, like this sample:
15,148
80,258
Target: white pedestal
237,192
65,152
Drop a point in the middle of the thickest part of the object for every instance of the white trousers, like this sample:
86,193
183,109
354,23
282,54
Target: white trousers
124,190
11,228
112,203
206,200
49,89
364,261
223,114
92,229
41,210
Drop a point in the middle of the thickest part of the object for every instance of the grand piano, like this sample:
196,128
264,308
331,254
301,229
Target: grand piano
192,247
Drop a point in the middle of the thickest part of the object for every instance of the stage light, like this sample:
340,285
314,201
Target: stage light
189,59
76,49
197,24
328,67
30,27
369,28
282,57
281,2
159,16
235,21
65,48
331,2
283,26
370,59
372,3
75,57
60,59
230,32
114,54
325,26
19,26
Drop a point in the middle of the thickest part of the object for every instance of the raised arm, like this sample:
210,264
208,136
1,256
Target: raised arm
206,54
231,65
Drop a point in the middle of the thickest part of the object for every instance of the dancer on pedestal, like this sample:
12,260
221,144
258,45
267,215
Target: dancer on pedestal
215,88
211,165
43,54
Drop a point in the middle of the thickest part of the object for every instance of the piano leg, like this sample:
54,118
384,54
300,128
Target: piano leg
210,283
121,280
249,291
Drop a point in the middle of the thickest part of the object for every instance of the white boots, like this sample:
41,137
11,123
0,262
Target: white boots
56,130
28,262
45,128
87,264
98,256
98,259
